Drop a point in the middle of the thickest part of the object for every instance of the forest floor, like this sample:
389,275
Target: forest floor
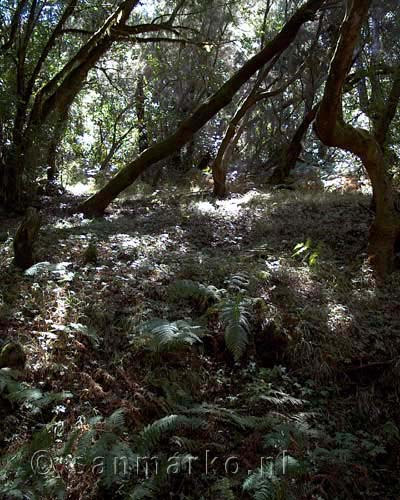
242,346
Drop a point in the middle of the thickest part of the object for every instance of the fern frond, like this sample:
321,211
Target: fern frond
193,290
235,317
117,462
153,433
232,417
113,457
280,398
187,444
8,384
223,489
144,490
85,444
70,442
116,420
163,335
238,282
18,465
260,485
19,392
284,433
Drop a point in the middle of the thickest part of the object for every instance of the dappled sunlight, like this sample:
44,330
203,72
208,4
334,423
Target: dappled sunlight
233,206
204,207
339,318
187,270
75,221
80,188
199,295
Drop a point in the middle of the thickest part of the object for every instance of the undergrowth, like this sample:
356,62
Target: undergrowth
216,350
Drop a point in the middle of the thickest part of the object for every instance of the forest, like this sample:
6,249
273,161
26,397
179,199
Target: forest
199,249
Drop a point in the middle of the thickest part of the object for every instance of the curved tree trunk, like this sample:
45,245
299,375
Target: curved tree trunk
220,164
293,150
220,171
235,130
96,204
333,131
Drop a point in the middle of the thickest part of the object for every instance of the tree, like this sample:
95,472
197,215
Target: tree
332,129
234,131
41,86
96,204
182,75
292,152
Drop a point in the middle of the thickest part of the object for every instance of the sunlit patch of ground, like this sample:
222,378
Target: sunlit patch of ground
80,188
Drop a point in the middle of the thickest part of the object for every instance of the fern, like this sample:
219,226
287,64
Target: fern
192,290
162,335
102,446
18,480
297,429
235,318
234,313
147,490
178,391
239,282
159,481
116,420
19,392
68,447
157,431
37,398
8,384
260,485
223,489
117,459
85,443
232,417
275,397
190,445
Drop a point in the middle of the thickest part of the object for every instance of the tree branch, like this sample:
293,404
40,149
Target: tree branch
98,202
15,22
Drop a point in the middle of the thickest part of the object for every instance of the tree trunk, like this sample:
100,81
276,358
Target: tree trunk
233,133
220,170
10,185
96,204
220,164
25,238
52,149
140,114
219,179
37,111
293,150
333,131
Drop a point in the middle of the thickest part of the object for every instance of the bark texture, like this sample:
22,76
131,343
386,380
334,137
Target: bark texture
333,131
25,238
